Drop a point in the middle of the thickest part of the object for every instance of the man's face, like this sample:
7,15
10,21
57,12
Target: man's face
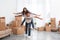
28,14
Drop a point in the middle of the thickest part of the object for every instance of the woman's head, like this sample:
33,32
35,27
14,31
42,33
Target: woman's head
24,9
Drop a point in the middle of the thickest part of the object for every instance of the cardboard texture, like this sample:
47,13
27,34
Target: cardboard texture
18,18
59,29
18,30
53,22
2,23
16,22
15,25
47,27
40,28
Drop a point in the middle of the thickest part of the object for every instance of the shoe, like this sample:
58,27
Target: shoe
29,36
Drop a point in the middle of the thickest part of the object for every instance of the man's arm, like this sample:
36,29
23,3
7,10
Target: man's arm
23,21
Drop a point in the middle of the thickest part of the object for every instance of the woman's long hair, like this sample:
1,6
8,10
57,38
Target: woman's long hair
24,12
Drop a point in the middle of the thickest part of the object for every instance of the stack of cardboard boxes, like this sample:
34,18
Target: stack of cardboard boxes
12,24
59,29
53,24
18,20
4,30
16,25
2,23
18,30
40,29
59,26
47,27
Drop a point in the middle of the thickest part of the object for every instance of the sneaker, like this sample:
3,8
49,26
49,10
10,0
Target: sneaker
29,36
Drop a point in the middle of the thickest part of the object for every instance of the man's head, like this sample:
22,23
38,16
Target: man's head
28,14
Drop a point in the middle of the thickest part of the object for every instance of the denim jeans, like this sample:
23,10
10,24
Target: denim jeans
31,22
28,28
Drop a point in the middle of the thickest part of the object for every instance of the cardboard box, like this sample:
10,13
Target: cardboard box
16,22
53,19
54,29
40,28
18,30
53,22
59,29
2,23
47,27
12,24
18,18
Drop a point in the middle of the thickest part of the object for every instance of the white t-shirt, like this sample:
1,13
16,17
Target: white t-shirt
28,19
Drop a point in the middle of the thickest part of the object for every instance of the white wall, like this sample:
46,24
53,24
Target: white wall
37,7
55,9
7,8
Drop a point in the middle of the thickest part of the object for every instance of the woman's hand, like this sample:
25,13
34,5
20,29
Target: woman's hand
38,15
17,13
41,18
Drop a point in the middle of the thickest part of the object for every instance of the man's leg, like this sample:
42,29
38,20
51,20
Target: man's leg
29,29
26,28
32,23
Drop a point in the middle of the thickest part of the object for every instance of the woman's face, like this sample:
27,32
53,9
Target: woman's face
25,10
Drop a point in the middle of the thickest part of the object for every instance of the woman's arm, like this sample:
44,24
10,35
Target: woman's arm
17,13
35,14
38,17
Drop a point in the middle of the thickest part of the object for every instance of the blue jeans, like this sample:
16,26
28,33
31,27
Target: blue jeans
31,22
28,28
